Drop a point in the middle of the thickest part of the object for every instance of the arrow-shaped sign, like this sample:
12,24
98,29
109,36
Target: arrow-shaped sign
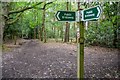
58,15
91,13
65,16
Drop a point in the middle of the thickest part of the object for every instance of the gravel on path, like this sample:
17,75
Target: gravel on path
35,59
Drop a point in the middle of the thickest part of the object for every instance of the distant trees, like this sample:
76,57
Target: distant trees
37,21
10,16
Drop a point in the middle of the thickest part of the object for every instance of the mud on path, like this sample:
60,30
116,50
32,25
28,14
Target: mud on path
35,59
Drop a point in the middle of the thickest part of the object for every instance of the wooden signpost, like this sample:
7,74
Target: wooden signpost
86,15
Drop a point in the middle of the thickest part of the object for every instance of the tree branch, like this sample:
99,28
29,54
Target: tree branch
13,21
47,4
24,9
43,6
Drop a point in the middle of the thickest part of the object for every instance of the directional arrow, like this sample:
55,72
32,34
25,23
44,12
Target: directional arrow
91,13
98,8
65,16
58,15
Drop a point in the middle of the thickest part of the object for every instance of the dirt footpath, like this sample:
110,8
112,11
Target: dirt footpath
35,59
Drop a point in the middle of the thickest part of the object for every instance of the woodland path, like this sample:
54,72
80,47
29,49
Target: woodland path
35,59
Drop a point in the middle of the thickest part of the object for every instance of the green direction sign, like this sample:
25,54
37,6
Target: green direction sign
91,13
66,16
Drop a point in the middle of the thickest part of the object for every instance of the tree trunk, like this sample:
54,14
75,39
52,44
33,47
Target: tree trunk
67,29
38,32
38,27
15,39
54,29
115,36
44,30
4,11
41,33
75,33
61,33
43,26
34,33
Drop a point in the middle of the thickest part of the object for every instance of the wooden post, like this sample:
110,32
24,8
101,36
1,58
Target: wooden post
80,71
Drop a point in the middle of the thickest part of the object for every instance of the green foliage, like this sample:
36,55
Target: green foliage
100,32
100,35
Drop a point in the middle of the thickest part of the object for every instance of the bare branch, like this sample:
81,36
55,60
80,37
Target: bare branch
24,9
47,4
43,6
13,21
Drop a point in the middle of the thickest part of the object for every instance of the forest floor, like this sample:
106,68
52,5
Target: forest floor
34,59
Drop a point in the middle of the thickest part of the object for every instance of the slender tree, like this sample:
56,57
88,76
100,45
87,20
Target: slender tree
66,39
